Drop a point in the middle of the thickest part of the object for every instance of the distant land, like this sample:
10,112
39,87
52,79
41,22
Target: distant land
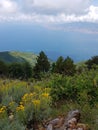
19,56
16,56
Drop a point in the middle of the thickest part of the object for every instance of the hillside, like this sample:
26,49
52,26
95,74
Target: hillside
15,56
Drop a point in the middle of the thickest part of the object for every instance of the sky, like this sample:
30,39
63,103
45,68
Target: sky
58,27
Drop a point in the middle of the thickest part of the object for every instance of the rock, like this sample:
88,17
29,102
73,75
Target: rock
63,122
83,126
74,114
11,117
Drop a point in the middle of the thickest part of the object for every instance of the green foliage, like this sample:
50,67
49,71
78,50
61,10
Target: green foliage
65,67
15,70
27,70
91,63
20,70
69,67
5,124
58,68
25,101
15,56
56,94
63,88
42,65
3,69
79,88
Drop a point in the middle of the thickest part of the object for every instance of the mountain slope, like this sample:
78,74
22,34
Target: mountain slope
15,56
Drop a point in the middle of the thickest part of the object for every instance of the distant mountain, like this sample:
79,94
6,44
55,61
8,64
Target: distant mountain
18,56
15,56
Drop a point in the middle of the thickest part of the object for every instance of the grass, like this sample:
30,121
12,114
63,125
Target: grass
13,56
24,98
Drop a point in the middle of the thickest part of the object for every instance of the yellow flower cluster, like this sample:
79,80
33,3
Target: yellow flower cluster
2,109
46,95
25,96
20,108
21,103
36,102
28,97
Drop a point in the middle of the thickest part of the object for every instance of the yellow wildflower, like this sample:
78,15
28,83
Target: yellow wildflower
31,94
27,98
20,108
36,102
2,109
46,95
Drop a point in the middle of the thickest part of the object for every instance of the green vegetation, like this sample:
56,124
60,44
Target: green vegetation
10,57
53,96
92,63
64,66
42,65
20,70
26,56
29,95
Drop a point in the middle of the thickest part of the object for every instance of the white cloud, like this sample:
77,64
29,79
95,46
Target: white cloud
56,6
93,14
48,11
8,7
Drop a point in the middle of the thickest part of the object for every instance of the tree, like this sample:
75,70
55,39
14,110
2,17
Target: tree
91,63
27,70
16,70
58,66
3,69
68,66
42,64
20,70
65,67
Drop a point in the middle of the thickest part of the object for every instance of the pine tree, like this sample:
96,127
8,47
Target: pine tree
68,66
59,65
42,64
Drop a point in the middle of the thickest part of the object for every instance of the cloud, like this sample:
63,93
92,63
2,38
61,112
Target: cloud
93,14
8,7
48,11
85,27
56,6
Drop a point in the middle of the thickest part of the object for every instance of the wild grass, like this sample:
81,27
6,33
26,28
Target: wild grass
32,100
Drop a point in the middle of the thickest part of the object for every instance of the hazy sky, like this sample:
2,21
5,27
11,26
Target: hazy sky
58,27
